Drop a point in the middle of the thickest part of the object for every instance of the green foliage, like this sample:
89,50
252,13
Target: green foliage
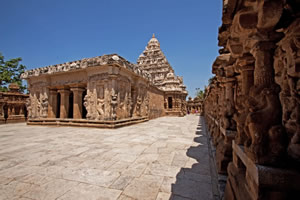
200,94
10,72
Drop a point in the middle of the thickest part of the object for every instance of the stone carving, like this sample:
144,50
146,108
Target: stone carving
88,106
100,109
153,61
260,50
84,63
263,109
114,103
138,106
43,106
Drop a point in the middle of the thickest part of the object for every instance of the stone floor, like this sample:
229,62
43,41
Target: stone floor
165,158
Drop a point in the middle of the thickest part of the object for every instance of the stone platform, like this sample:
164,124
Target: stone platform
87,123
165,158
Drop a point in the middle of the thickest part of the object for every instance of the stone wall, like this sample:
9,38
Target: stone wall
252,105
156,103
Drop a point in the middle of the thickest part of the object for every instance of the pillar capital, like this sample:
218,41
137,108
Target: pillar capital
65,91
77,89
53,91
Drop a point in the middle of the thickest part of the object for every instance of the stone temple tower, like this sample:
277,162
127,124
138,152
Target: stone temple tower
154,62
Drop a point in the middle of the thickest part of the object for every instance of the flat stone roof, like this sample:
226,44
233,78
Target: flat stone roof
111,59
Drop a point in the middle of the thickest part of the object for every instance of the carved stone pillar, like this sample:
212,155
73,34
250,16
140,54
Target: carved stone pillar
263,72
64,103
247,79
77,102
52,106
229,89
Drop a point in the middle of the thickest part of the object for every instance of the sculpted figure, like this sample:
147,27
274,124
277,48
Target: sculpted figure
113,103
100,109
147,106
138,106
266,110
44,107
87,106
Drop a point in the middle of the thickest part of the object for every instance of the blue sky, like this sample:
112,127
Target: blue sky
46,32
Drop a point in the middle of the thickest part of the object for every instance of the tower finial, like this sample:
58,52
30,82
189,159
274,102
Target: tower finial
153,36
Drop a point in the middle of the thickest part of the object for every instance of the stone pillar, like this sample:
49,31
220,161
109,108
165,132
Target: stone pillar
247,78
229,89
52,106
64,103
263,72
77,102
13,111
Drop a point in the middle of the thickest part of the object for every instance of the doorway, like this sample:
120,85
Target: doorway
58,106
170,105
84,111
71,103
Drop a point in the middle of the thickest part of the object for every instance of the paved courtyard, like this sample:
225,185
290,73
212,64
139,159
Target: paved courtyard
165,158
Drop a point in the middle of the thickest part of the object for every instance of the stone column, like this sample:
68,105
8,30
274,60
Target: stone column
263,72
229,83
247,78
13,112
52,106
64,103
77,102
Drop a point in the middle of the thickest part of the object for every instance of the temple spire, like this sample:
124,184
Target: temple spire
153,36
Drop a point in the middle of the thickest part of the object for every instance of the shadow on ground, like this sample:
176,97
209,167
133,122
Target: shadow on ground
196,182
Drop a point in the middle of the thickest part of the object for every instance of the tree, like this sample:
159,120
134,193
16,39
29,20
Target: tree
200,94
10,72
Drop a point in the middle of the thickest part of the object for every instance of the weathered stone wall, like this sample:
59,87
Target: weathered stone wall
252,105
156,103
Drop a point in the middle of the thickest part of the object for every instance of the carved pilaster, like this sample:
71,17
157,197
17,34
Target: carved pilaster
77,102
64,103
52,106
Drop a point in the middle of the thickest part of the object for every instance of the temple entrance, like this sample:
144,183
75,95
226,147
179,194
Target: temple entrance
170,105
71,104
58,106
84,111
5,110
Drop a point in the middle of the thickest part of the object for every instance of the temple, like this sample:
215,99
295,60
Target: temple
194,105
104,91
13,105
153,61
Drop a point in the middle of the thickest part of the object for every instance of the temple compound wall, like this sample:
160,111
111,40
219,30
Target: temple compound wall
13,105
104,91
252,106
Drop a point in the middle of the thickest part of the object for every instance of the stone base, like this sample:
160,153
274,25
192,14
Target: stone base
2,120
16,119
87,123
247,180
174,113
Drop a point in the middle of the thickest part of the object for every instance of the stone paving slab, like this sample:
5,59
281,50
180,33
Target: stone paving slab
165,158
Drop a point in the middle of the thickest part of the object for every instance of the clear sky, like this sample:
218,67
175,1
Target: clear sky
47,32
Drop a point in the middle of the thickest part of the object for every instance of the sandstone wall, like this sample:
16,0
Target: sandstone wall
252,106
156,103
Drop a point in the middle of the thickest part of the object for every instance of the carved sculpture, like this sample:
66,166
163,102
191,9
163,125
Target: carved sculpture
100,109
114,103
